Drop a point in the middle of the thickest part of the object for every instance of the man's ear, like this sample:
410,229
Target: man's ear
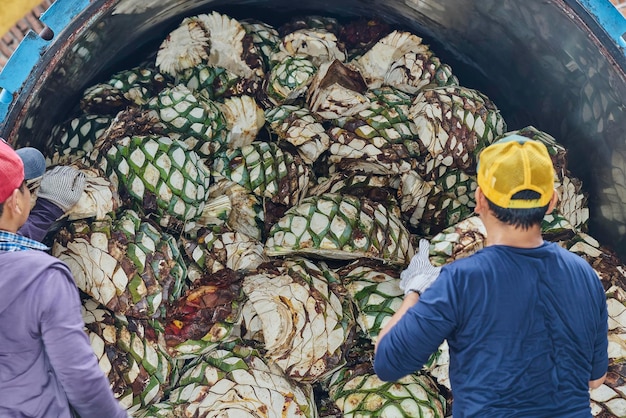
13,203
481,202
553,202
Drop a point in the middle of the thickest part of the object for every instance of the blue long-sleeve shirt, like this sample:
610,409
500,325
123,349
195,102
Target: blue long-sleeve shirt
527,331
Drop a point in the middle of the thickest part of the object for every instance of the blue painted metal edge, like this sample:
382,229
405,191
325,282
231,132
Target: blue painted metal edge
609,18
27,54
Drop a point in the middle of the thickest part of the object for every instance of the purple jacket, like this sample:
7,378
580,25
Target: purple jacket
46,360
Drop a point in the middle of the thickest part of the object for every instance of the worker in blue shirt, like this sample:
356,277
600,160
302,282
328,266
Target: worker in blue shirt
525,320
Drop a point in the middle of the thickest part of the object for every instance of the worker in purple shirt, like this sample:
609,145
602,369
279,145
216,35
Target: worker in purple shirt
47,365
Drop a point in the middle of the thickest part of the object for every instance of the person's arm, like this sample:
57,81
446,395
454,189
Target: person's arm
409,300
69,350
593,384
60,189
600,362
41,218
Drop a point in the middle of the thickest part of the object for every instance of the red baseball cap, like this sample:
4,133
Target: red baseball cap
11,171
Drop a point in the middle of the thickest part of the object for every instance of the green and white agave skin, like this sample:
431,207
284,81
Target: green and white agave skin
358,392
128,264
427,207
130,354
454,124
160,176
340,226
213,39
197,121
74,140
133,87
379,139
375,290
289,79
238,383
266,170
264,36
301,128
297,309
214,83
216,249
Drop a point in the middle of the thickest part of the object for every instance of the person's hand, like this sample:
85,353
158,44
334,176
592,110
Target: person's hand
419,274
63,186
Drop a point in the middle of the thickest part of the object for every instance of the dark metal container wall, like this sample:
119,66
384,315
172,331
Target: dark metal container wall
557,65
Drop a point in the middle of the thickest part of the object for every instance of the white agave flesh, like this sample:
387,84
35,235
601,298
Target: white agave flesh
185,47
260,391
319,46
299,331
375,63
226,45
337,90
244,118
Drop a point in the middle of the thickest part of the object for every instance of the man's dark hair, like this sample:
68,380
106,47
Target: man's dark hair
524,218
22,188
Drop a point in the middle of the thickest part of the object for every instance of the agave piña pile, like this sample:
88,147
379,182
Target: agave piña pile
253,195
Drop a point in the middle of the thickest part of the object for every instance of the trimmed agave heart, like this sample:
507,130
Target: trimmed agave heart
458,241
214,83
74,140
375,290
375,63
205,315
217,248
235,381
427,207
376,188
454,124
337,90
289,79
380,139
213,39
358,392
233,205
298,310
128,264
99,198
317,45
244,118
158,175
264,36
196,121
130,353
301,128
266,170
134,87
340,226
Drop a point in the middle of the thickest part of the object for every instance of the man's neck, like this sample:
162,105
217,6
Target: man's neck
499,233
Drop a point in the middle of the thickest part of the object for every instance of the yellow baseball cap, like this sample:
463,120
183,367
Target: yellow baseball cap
513,164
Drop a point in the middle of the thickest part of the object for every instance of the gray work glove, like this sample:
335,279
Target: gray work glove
62,186
419,274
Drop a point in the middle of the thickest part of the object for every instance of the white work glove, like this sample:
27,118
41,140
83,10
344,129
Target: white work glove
62,186
419,274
